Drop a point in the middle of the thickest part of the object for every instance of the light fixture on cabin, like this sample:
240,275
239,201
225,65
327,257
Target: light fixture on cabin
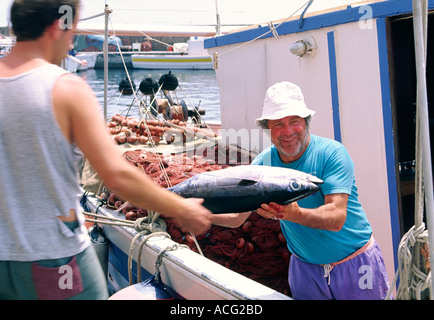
305,46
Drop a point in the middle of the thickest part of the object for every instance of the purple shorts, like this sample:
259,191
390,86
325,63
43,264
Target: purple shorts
361,276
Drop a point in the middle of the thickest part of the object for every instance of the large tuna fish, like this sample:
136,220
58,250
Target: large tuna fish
245,188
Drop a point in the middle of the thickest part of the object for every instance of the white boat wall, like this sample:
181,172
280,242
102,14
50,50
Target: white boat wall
69,65
187,274
195,57
90,60
358,76
6,44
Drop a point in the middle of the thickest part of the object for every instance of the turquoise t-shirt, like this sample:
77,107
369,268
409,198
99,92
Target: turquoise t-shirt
328,160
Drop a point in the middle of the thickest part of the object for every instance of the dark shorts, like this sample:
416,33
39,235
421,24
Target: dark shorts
362,276
79,277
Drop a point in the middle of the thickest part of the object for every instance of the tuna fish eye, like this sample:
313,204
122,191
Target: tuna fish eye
295,186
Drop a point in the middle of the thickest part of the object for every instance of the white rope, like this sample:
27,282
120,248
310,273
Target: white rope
146,227
413,281
414,277
272,29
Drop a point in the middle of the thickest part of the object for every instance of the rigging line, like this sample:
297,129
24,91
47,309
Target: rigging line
123,62
194,108
109,100
92,17
301,21
160,161
149,38
262,35
89,31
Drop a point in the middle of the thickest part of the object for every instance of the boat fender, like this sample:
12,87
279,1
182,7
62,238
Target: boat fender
150,289
148,86
168,81
125,87
146,46
100,243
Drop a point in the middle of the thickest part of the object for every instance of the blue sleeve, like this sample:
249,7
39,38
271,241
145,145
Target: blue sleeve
264,158
257,161
338,172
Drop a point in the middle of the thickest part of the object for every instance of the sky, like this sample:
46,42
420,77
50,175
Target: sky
153,13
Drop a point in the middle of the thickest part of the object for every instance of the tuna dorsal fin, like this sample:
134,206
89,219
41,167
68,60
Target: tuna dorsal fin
246,182
234,182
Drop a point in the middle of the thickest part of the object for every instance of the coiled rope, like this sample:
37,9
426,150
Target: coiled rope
146,227
413,281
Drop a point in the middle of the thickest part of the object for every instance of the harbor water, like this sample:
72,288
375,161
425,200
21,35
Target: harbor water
198,88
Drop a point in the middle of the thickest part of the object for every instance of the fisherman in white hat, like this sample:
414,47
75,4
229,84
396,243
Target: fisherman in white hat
334,255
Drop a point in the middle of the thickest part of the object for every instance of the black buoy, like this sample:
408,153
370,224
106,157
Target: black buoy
168,82
148,86
125,87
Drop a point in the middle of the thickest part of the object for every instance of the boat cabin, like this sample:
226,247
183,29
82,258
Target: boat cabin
356,67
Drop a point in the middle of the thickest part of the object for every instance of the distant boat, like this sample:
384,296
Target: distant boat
6,44
76,63
90,59
190,55
69,64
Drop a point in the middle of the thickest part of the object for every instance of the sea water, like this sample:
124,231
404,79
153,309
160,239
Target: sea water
198,88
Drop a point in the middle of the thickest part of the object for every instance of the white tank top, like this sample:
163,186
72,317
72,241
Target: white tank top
38,172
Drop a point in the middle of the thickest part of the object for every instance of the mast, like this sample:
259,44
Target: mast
420,17
107,11
217,28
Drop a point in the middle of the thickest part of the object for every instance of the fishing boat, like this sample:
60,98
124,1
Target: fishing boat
187,56
175,147
70,64
79,62
361,67
188,274
90,59
337,55
6,44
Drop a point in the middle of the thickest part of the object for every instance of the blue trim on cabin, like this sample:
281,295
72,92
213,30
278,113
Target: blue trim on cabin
350,14
334,86
388,134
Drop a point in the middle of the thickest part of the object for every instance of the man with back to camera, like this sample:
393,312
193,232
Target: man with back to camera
48,117
334,255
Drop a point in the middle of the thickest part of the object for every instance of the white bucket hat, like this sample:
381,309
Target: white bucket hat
284,99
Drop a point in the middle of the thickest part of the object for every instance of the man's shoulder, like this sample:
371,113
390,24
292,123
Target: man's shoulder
265,154
68,80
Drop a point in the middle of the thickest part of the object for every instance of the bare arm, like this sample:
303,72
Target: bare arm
79,117
330,216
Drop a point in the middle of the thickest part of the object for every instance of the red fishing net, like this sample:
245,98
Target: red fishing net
257,249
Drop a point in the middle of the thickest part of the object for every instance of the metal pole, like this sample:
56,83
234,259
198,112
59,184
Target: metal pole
218,25
420,11
107,12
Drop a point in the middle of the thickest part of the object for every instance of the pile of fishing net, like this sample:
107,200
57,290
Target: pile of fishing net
257,249
134,131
